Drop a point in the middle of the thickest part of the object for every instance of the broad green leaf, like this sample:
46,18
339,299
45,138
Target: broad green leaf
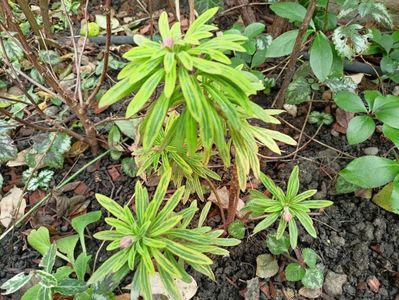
145,92
39,239
67,246
294,272
391,133
387,198
350,102
387,110
80,223
310,257
81,265
282,45
313,279
253,30
15,283
321,57
360,128
277,246
370,171
292,11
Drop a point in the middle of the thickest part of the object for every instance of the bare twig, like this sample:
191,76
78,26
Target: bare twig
220,204
44,11
31,19
279,101
107,11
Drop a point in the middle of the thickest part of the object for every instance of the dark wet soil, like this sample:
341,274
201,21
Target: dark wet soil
355,237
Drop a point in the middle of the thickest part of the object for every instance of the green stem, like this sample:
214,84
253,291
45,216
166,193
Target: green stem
63,183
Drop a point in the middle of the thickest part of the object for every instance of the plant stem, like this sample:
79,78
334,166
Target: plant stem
31,19
233,196
44,11
279,101
107,12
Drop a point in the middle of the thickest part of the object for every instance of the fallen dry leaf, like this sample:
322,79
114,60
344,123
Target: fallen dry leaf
223,194
188,290
81,189
19,160
113,172
343,118
77,148
266,266
309,293
12,206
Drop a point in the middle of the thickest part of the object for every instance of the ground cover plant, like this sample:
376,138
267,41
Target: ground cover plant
179,149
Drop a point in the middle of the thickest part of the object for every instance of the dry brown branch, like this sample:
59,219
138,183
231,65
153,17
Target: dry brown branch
279,101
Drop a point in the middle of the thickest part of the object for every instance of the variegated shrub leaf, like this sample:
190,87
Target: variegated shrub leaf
349,41
15,283
8,150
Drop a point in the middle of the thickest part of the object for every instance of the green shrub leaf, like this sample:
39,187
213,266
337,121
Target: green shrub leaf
360,128
294,272
370,171
321,57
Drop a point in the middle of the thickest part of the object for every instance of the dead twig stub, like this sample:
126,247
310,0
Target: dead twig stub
279,101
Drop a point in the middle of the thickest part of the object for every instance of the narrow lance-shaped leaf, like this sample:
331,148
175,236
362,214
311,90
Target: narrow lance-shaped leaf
144,93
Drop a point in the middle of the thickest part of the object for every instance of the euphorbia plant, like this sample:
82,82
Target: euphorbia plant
157,240
288,207
186,169
211,96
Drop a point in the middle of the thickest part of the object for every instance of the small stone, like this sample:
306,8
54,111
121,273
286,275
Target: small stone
334,282
371,151
252,289
291,109
373,283
396,91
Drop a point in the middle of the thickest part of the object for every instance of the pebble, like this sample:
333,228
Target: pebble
334,282
371,151
396,91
